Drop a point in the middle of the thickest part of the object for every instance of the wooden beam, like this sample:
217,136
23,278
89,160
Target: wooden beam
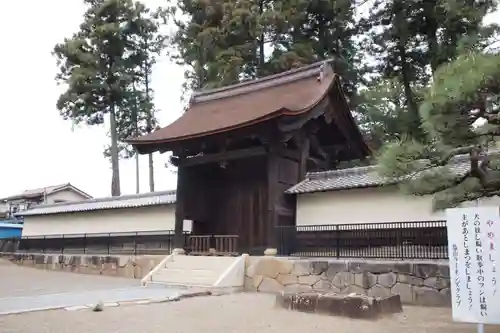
223,156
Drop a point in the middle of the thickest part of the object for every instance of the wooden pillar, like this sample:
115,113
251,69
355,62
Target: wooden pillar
179,211
305,145
272,195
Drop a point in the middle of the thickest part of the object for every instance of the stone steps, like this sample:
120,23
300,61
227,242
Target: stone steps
202,271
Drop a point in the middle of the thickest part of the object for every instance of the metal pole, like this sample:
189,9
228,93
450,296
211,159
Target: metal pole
480,328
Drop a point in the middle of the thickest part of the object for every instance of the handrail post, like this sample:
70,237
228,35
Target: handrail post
84,243
337,241
135,244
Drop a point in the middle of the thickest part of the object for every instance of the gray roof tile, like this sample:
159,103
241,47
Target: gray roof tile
124,201
359,177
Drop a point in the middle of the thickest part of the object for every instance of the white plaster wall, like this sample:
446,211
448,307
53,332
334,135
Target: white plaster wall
153,218
65,195
368,205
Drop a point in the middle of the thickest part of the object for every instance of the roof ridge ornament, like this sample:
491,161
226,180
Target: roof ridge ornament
321,72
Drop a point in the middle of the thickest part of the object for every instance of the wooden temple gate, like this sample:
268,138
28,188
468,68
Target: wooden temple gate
238,149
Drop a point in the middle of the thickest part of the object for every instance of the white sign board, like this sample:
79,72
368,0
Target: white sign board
474,254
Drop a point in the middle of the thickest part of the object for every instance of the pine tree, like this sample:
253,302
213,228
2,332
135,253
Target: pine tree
94,64
409,41
463,91
148,44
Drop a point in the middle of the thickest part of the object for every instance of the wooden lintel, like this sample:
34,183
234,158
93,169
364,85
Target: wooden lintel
223,156
316,148
285,152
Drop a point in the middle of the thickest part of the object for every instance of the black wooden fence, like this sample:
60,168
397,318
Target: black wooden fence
146,242
397,240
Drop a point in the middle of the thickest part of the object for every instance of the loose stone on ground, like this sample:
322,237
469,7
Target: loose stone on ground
242,313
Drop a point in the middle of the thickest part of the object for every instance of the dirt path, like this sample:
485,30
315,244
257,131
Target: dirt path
237,313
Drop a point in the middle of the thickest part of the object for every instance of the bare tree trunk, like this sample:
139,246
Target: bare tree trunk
137,180
149,127
115,163
151,173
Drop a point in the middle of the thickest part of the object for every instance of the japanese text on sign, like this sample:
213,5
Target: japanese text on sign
473,257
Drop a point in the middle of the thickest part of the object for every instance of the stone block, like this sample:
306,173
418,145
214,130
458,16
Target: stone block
387,279
446,292
443,270
305,302
270,267
343,279
301,268
405,291
309,279
430,297
318,267
410,279
425,270
269,285
286,279
379,291
325,285
358,266
256,281
298,288
331,304
248,284
354,289
437,282
388,305
39,259
365,280
285,299
335,267
354,306
402,268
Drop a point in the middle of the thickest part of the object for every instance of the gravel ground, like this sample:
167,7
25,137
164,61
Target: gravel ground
237,313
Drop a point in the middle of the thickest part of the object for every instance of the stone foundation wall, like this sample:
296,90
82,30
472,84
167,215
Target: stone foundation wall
134,267
419,283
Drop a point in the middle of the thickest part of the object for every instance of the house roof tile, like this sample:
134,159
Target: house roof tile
124,201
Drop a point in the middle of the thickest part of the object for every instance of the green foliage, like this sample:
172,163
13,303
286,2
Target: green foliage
410,40
101,64
463,92
382,112
227,41
459,87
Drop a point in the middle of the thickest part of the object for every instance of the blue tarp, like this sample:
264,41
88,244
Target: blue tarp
10,229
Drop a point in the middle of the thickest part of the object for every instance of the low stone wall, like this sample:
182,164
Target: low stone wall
419,283
135,267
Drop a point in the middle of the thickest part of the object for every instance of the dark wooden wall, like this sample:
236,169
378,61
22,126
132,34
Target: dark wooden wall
229,201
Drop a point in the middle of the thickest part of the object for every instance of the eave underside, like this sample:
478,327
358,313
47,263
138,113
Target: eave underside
328,128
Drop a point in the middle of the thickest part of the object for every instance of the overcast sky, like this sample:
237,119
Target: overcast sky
39,148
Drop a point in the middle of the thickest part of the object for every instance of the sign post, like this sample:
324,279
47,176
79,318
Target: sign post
473,238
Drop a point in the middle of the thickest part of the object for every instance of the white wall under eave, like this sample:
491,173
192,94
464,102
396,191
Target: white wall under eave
368,205
152,218
64,195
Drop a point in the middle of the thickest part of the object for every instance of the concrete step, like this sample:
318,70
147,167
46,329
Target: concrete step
193,270
214,266
202,262
188,277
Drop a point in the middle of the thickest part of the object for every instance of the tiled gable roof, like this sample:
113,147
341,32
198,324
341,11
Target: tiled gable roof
360,177
227,108
38,192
